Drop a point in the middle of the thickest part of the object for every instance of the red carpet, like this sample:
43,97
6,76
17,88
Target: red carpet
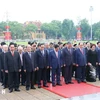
75,89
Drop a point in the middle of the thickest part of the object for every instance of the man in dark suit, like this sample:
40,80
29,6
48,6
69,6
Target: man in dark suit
29,67
1,71
80,61
42,65
47,47
55,64
22,73
2,60
68,62
98,63
12,67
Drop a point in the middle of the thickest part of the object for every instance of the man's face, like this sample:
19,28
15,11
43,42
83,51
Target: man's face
81,45
25,49
69,45
51,45
47,46
61,45
34,46
57,48
12,47
98,44
29,48
5,49
88,45
20,50
42,47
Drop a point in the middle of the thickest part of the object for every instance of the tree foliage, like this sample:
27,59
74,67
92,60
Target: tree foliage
54,29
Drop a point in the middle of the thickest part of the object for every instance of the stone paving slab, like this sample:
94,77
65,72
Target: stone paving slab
38,94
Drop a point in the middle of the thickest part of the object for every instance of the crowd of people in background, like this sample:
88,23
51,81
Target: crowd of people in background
28,65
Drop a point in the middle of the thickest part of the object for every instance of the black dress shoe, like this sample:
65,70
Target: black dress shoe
84,81
79,81
49,81
71,82
27,88
4,87
53,85
18,90
45,85
39,86
66,83
11,90
33,87
23,84
59,84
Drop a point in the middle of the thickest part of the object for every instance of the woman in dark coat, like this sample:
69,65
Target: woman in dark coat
92,61
92,57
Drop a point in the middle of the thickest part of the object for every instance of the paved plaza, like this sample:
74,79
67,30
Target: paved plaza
42,94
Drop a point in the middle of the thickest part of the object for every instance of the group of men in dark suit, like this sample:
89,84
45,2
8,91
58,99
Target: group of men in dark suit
42,62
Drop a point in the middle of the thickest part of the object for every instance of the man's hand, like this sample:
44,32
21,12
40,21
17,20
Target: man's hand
19,70
6,71
25,71
96,63
37,68
89,64
76,65
64,65
47,67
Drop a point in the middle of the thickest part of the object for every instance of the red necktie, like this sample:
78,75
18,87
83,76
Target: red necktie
82,51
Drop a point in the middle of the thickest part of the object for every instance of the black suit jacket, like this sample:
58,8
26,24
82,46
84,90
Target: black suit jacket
2,60
67,56
12,63
41,61
92,57
28,62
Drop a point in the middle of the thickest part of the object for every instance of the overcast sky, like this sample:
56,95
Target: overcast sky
47,10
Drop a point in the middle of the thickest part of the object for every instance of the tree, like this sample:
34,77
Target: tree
67,28
85,27
16,30
96,30
31,28
52,29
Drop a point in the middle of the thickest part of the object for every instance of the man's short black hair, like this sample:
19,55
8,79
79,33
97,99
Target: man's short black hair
3,43
41,44
34,42
98,42
51,43
56,46
69,43
12,43
60,43
75,45
64,44
29,42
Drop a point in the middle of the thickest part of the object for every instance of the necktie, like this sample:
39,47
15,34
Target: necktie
21,59
42,52
69,50
12,53
82,51
57,54
30,54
